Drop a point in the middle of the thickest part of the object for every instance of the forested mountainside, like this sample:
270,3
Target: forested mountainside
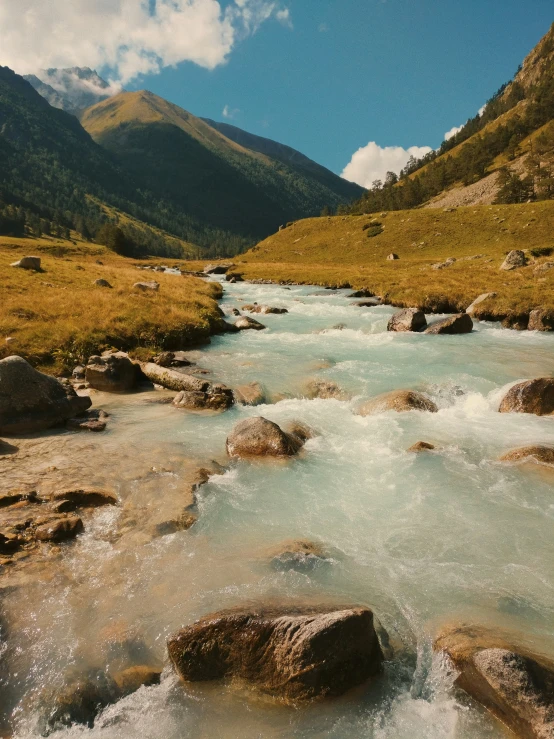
513,136
229,185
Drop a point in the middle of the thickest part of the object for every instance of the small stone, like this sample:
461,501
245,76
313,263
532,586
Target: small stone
102,283
421,446
59,529
147,286
391,257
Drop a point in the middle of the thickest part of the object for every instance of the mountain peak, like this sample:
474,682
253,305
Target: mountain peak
72,89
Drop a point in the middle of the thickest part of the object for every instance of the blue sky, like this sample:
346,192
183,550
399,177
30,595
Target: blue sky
324,76
397,72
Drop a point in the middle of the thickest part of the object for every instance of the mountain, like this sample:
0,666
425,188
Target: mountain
51,169
246,188
289,156
504,154
72,89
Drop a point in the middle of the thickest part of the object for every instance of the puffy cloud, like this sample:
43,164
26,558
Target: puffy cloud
229,112
372,162
482,109
128,37
453,131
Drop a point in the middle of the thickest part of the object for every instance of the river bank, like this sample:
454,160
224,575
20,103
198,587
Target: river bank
424,539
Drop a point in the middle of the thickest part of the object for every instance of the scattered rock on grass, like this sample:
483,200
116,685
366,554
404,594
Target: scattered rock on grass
481,299
146,287
532,396
102,283
290,652
398,400
28,263
516,258
391,257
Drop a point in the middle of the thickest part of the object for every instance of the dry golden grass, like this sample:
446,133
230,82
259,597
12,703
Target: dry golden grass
335,251
58,317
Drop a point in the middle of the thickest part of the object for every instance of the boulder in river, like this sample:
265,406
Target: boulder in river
28,263
531,396
264,309
421,446
514,259
172,359
259,437
363,293
513,683
540,320
172,379
536,453
460,323
245,322
290,652
251,394
398,400
325,390
113,372
32,401
58,528
409,319
216,397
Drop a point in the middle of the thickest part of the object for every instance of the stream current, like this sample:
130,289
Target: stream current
424,539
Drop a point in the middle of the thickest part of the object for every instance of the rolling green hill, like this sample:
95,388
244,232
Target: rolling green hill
234,186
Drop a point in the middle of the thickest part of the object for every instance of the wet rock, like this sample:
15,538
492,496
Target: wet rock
235,312
216,397
300,430
290,652
78,372
363,293
481,299
113,372
59,528
32,401
398,400
514,684
531,396
460,323
90,421
409,319
251,394
421,446
536,453
28,263
245,322
172,359
147,287
78,702
325,390
391,257
263,309
540,320
297,554
84,497
217,269
369,303
233,277
258,437
516,258
516,321
130,680
172,379
101,283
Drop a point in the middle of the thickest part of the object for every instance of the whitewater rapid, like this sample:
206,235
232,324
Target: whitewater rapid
425,540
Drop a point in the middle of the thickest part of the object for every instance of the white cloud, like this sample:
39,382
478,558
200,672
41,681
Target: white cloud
372,162
482,109
453,131
128,37
323,28
229,112
283,16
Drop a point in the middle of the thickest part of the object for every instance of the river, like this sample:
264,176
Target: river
424,539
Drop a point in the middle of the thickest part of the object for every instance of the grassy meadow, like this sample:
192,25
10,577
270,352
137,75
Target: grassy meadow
58,317
338,251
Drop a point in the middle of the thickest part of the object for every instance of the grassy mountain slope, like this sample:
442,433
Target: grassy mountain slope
58,318
505,134
191,165
335,251
51,166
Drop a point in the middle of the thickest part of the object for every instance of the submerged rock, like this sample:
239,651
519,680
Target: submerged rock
258,437
32,401
264,309
398,400
113,372
536,453
130,680
59,528
325,390
90,421
409,319
515,258
251,394
84,497
245,322
516,685
216,397
460,323
363,293
290,652
531,396
297,554
421,446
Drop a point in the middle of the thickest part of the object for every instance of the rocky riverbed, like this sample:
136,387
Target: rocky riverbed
328,511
